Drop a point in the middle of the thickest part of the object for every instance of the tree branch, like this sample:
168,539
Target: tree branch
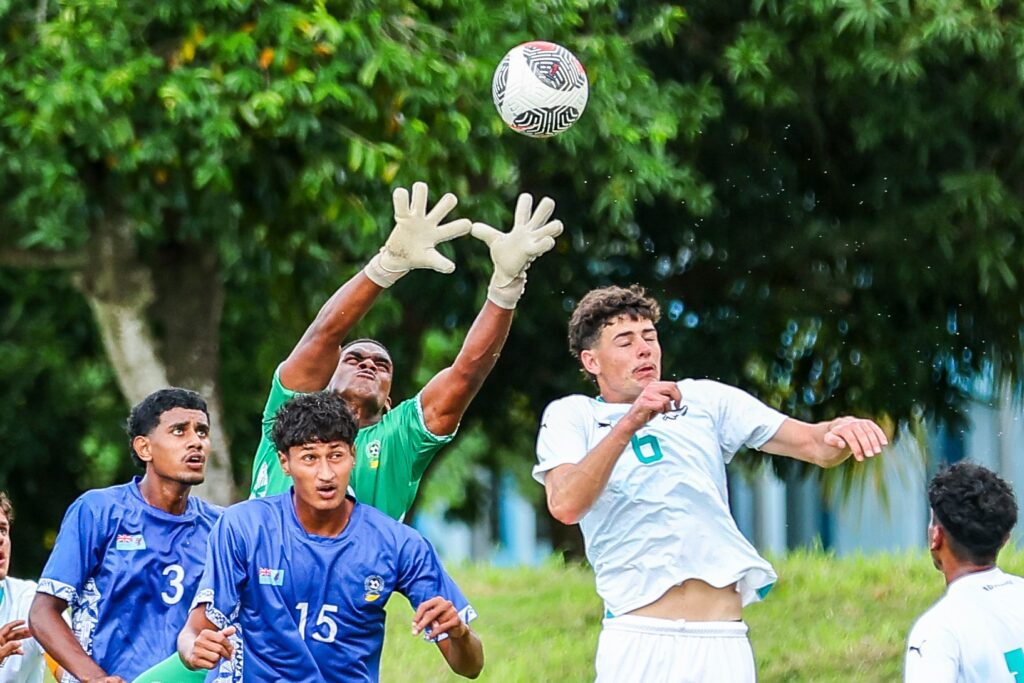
42,258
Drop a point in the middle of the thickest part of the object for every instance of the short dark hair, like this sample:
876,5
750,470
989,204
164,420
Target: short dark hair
145,416
601,307
977,509
313,418
6,508
365,340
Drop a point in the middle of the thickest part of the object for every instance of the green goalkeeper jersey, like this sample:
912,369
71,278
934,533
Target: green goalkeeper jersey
391,455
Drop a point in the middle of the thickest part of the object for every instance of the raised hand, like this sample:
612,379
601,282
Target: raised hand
11,635
861,436
440,616
656,398
512,252
413,242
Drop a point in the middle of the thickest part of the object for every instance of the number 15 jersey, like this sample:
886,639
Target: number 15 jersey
128,571
311,608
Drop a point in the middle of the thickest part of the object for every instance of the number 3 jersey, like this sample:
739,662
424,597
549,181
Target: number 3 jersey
664,515
311,608
128,571
973,634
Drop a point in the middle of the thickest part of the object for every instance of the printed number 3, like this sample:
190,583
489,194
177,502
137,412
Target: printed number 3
176,582
322,620
649,442
1015,663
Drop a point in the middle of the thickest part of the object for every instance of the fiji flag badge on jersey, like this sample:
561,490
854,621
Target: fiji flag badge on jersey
271,577
130,542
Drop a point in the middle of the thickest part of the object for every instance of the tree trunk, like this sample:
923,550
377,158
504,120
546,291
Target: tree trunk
182,293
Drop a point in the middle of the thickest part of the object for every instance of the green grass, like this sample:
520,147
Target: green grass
828,619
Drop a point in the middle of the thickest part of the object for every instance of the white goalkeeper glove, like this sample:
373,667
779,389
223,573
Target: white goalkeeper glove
413,242
512,252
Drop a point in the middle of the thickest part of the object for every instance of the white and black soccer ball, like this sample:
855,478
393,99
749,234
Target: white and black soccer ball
540,89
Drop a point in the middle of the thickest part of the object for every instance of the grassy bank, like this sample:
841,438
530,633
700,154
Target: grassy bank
828,619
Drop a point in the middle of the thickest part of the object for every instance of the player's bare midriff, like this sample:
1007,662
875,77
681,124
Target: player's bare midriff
695,600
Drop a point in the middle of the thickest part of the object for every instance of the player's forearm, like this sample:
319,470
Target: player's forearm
464,655
53,634
447,396
572,492
312,362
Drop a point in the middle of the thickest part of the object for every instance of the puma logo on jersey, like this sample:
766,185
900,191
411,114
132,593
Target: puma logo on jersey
677,413
915,648
602,425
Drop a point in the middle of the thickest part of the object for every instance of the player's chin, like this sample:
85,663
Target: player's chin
191,477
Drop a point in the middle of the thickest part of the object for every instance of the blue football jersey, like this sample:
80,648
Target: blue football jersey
129,572
311,608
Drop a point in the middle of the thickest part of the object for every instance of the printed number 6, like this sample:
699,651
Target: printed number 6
176,582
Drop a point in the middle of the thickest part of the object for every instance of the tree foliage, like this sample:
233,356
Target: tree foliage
825,194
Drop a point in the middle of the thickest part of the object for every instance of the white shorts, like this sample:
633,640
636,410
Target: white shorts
635,649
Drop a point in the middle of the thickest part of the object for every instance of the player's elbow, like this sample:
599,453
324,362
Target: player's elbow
41,614
564,511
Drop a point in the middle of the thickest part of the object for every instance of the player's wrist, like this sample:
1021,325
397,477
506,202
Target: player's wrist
380,273
506,295
459,632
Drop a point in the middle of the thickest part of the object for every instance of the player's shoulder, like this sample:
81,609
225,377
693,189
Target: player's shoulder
206,509
571,403
373,521
103,499
941,619
19,587
255,512
704,388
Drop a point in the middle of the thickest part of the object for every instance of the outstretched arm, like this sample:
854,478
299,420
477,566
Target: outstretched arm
827,444
412,244
55,636
447,396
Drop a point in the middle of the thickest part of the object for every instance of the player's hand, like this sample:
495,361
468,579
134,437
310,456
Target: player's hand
413,241
512,252
440,616
210,647
656,398
11,635
104,679
862,437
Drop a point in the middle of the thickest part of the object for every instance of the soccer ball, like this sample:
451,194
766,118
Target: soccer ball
540,89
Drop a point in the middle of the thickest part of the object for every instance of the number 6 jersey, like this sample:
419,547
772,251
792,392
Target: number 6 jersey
664,515
128,571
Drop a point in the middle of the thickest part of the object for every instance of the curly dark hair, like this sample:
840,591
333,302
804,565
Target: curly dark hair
977,509
6,509
601,307
313,418
145,416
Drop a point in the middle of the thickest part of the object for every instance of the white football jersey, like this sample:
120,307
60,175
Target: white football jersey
29,667
664,516
973,634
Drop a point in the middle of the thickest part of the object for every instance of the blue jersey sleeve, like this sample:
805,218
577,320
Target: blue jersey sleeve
77,552
224,572
421,577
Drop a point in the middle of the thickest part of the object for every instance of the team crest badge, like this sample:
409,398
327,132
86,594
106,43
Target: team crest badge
373,585
373,453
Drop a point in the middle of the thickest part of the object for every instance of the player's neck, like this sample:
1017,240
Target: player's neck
165,494
365,412
958,570
327,523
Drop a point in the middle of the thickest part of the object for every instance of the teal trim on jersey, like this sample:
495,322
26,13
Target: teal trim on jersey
763,591
1,595
1015,663
608,614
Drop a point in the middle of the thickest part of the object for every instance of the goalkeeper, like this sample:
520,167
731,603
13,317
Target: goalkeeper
396,443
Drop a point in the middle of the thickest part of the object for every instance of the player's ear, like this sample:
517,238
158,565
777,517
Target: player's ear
936,537
283,459
589,362
387,404
140,445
